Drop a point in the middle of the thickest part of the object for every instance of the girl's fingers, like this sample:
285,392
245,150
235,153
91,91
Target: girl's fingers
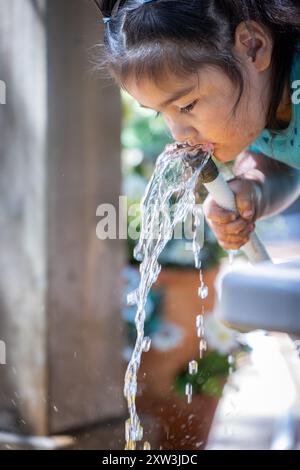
234,238
233,228
233,242
244,197
217,214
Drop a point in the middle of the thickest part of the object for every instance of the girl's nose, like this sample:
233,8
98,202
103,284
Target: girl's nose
182,133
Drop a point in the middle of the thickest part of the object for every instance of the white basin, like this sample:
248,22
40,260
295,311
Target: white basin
264,296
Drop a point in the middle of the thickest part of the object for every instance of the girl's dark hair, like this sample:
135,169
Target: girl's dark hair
178,36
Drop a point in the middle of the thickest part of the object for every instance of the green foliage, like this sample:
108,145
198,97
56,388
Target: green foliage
141,130
213,369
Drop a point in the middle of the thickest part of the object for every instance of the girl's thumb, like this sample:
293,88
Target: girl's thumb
248,214
244,199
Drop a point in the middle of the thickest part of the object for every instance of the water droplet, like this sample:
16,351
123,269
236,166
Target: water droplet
230,359
146,344
132,298
147,446
130,388
199,321
200,332
139,432
197,261
128,430
202,347
189,392
138,254
55,409
193,367
203,292
131,445
133,430
130,400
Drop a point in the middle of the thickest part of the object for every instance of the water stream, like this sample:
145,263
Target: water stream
168,199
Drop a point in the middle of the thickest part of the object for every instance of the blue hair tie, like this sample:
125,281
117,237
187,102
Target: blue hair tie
106,19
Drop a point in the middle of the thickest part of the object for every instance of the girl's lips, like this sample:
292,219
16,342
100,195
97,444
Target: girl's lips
207,147
195,144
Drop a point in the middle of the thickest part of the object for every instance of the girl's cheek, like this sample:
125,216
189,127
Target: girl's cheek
219,126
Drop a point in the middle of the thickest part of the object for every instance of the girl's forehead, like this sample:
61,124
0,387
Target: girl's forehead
162,90
164,83
153,93
169,81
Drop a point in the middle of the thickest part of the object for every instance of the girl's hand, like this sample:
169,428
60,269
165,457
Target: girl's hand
233,229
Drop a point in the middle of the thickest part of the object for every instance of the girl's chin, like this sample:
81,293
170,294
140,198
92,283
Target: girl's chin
223,155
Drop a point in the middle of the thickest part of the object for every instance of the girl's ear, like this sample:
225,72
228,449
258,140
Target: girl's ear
253,42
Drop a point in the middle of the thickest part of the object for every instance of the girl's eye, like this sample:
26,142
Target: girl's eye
189,108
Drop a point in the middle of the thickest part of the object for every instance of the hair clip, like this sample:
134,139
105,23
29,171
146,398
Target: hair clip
106,19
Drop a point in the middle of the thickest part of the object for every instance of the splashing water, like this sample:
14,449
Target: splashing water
199,321
193,367
189,392
168,199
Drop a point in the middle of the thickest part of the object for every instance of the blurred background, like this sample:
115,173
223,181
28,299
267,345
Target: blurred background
70,142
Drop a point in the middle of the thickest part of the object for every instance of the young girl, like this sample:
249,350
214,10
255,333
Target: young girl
220,71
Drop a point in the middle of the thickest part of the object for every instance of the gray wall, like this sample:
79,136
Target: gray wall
60,287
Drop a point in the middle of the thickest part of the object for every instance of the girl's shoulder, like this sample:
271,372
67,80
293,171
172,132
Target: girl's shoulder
285,145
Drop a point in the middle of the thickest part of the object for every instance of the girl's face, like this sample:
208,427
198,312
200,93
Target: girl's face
199,109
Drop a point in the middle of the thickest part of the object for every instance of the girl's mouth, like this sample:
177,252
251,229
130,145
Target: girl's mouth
207,147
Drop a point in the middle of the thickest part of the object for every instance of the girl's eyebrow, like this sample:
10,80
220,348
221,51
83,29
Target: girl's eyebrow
174,97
